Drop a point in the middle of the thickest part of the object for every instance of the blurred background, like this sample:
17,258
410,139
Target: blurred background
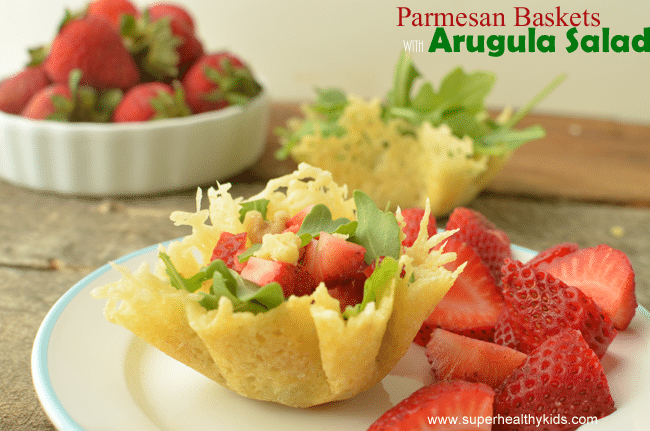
297,45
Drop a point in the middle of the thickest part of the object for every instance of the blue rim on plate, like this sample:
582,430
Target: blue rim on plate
53,407
40,373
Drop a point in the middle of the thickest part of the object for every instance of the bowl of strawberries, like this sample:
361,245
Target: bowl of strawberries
125,101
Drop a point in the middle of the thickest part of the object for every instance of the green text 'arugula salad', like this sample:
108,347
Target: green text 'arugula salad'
441,140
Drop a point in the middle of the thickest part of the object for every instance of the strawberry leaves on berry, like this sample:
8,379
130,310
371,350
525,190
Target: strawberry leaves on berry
85,104
234,84
152,44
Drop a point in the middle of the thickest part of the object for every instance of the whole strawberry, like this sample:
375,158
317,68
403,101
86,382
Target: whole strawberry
173,10
72,102
182,26
218,80
560,383
16,90
113,10
92,45
151,101
54,102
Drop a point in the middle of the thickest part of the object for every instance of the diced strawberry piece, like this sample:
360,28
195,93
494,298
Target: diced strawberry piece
504,335
412,220
228,248
540,306
303,284
456,357
293,280
548,255
474,302
602,273
491,244
349,293
562,377
296,221
294,228
333,259
310,260
440,405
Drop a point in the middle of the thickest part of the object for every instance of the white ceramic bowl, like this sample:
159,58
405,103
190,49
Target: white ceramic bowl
93,159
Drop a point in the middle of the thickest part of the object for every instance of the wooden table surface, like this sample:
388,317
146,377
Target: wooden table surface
588,182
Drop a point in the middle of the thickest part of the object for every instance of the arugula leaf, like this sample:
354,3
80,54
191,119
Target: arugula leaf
328,107
228,283
374,286
330,102
191,284
260,205
458,103
377,231
246,254
320,220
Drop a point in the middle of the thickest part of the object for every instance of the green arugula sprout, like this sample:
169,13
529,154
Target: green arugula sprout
459,103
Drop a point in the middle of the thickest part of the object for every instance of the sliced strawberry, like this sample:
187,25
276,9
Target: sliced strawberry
602,273
332,259
552,253
412,219
491,244
540,306
228,248
439,406
456,357
293,280
474,302
561,378
504,335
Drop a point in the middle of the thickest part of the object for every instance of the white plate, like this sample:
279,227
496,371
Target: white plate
90,374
